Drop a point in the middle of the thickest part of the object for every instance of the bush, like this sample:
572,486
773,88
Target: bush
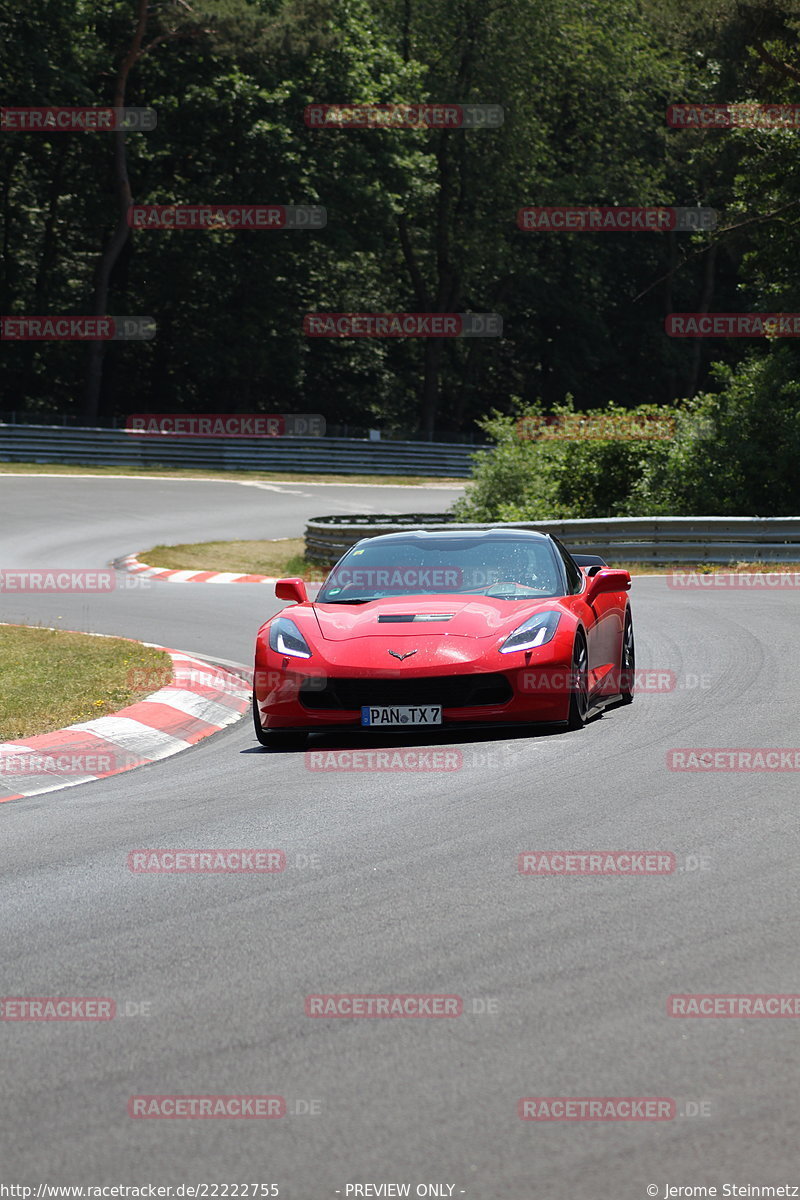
585,465
737,451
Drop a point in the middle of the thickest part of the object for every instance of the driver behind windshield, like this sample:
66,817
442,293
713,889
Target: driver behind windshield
510,564
408,568
528,565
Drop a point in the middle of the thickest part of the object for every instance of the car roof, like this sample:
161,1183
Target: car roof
498,534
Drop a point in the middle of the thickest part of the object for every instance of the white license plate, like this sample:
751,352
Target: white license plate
424,714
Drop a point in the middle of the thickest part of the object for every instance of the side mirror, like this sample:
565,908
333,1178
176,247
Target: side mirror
607,581
291,589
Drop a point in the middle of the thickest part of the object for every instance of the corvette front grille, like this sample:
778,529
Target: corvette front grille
451,691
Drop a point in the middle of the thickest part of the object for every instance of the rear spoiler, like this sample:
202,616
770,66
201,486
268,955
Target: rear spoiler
589,560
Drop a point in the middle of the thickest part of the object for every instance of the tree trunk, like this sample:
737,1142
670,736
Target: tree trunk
705,304
7,280
49,254
108,259
448,288
672,380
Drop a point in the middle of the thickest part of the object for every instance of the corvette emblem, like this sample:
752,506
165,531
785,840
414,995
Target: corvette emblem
394,654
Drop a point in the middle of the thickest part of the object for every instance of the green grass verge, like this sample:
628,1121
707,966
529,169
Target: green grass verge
8,468
50,678
704,568
286,556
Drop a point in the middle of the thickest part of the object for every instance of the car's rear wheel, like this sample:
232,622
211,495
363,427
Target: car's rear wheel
627,666
579,684
277,740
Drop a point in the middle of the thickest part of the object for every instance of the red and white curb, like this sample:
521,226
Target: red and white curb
132,566
202,699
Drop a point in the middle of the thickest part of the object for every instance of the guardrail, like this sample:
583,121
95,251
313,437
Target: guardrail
620,539
338,456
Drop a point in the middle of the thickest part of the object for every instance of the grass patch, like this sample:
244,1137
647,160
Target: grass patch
13,468
705,568
50,678
284,556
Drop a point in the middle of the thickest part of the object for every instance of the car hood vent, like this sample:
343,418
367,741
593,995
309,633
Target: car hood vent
395,618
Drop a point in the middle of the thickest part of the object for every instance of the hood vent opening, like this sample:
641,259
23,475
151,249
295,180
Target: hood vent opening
402,618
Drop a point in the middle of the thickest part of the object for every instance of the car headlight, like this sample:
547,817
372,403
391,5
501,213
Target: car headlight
286,638
534,632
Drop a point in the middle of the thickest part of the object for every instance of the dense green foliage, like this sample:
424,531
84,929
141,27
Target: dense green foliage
418,220
737,450
567,475
733,452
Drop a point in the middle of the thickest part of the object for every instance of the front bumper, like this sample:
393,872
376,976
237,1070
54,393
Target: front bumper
310,695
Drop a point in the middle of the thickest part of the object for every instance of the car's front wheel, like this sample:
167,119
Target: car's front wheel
276,740
579,684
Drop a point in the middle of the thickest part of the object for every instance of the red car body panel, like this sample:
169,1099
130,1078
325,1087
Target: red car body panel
349,643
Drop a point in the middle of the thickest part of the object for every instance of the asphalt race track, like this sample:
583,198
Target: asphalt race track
402,882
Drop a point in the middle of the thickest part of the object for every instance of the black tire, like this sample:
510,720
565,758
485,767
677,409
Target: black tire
627,663
579,684
277,740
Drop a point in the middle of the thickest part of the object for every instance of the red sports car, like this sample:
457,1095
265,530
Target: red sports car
457,628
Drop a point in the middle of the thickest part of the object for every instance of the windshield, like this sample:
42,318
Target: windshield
502,567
